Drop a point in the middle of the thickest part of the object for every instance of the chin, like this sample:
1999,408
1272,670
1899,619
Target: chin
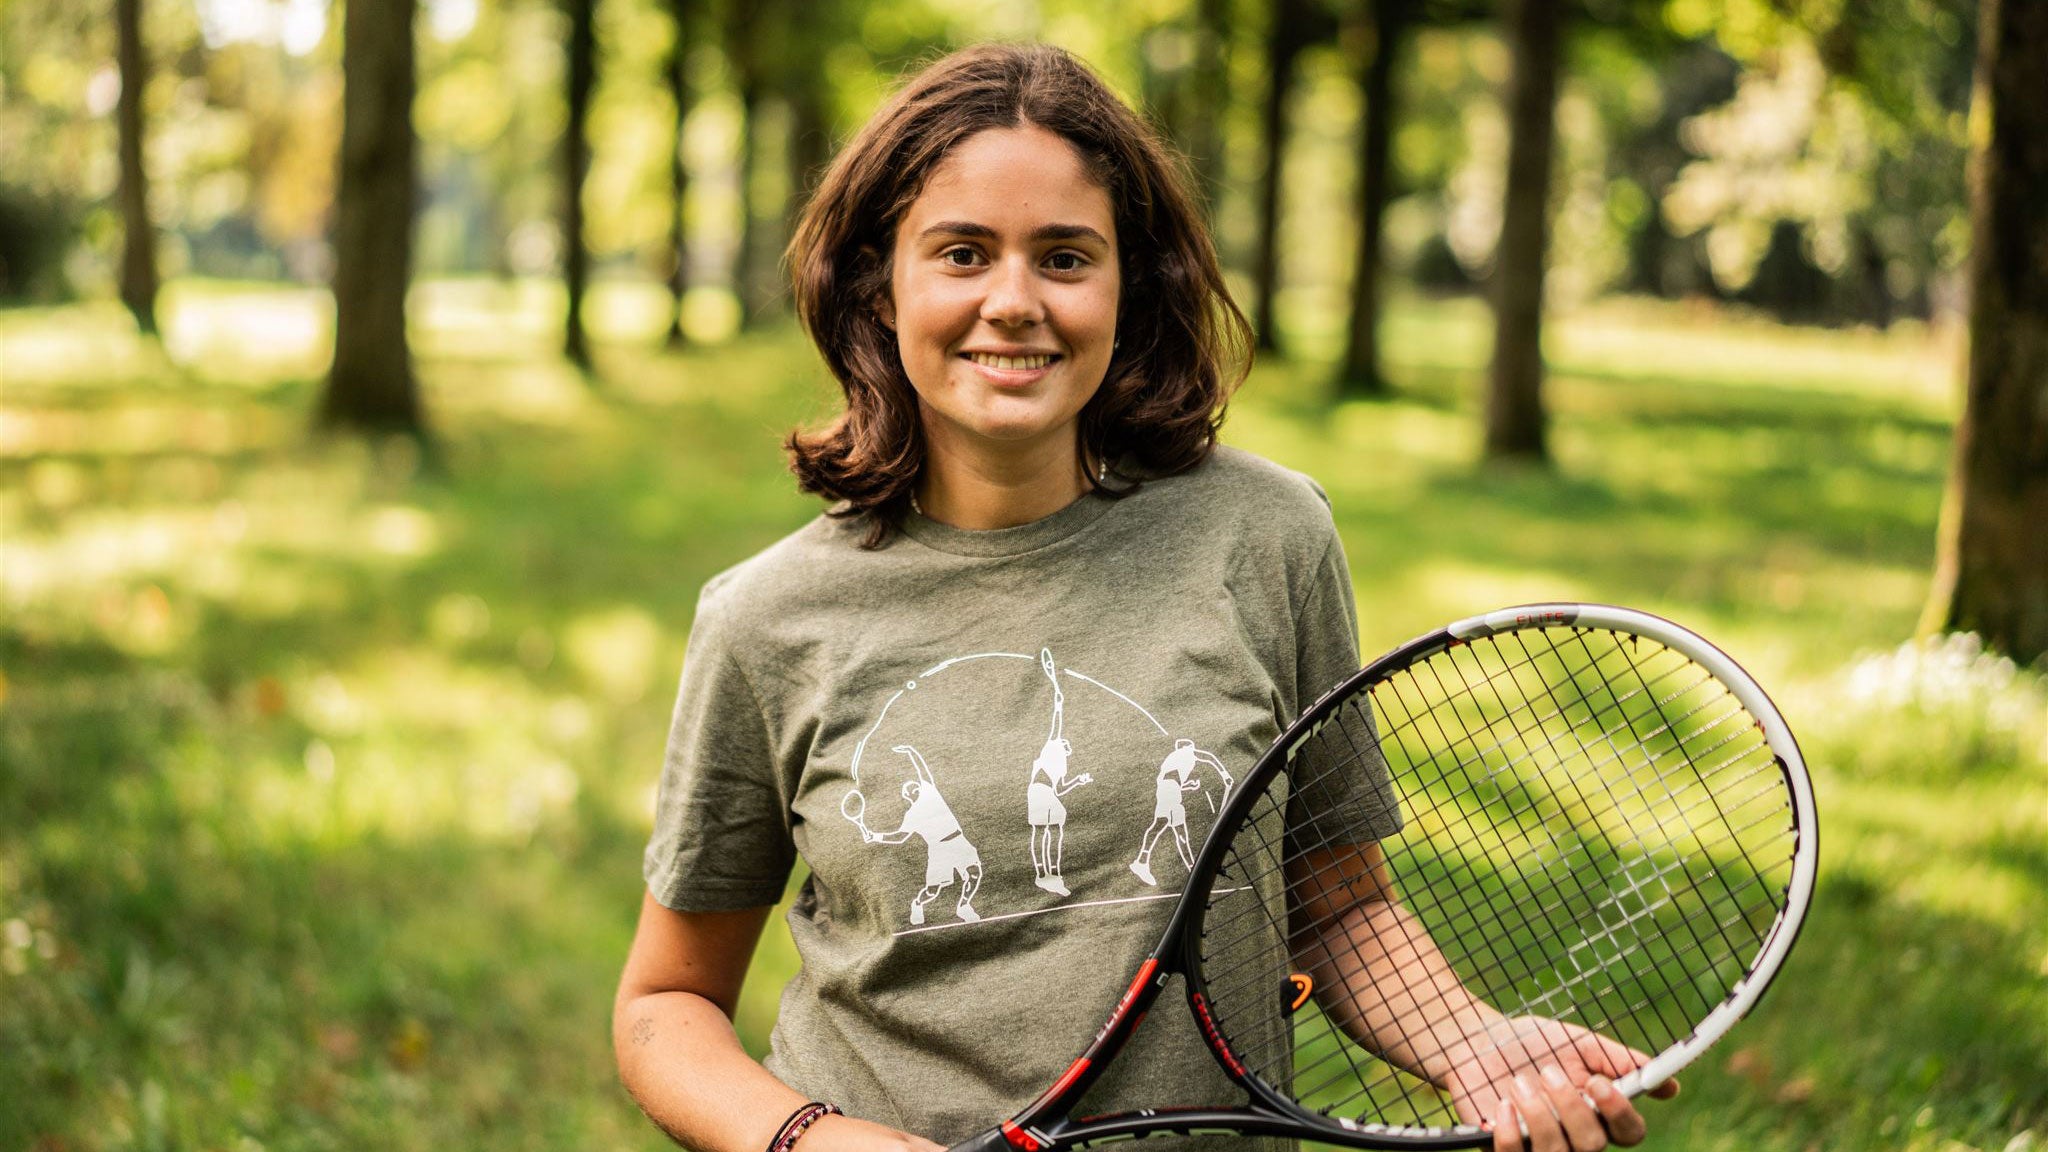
1014,422
1006,432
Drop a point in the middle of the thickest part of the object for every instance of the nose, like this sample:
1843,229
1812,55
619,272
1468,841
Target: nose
1012,299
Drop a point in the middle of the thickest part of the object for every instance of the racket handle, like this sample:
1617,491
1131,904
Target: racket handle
992,1140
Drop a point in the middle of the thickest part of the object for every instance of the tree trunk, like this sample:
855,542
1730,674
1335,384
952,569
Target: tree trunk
808,145
1209,101
1991,576
582,78
746,276
1514,408
678,175
1360,374
370,386
138,250
743,50
1283,45
1159,89
505,160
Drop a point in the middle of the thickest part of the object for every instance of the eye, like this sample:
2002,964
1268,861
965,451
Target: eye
949,253
1077,261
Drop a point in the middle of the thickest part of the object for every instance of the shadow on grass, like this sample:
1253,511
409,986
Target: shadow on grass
200,978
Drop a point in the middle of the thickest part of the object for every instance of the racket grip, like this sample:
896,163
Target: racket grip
992,1140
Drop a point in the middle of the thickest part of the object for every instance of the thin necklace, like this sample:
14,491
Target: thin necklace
1101,474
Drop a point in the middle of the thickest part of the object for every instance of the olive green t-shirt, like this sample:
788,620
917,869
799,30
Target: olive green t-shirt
997,752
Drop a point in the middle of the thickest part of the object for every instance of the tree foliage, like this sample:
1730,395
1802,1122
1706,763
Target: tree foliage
1801,154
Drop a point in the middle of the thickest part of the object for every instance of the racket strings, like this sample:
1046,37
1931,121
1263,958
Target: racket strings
1317,1046
1326,1058
1771,788
1638,741
1269,1036
1712,794
1496,959
1589,837
1607,736
1616,753
1659,873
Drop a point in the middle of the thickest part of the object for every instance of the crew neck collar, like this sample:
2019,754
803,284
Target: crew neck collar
1011,541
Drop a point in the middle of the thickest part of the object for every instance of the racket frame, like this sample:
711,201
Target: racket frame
1748,991
1047,1121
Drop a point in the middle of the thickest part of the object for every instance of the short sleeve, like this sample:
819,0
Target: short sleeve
1340,789
1326,629
721,838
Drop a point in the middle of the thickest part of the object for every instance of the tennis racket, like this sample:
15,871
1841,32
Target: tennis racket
854,807
1607,827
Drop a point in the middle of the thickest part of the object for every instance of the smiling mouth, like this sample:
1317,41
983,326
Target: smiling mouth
1011,363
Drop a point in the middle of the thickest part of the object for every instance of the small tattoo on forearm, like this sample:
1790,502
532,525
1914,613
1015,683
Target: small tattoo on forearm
643,1031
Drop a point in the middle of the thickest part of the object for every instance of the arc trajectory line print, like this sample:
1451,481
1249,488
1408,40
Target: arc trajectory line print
1067,907
941,666
1126,699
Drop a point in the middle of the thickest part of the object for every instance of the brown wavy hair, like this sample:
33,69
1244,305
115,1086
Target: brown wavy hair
1183,345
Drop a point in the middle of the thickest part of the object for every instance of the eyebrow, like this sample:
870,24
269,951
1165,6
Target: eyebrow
1042,232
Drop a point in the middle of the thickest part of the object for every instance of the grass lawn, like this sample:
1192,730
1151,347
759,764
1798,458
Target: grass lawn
323,781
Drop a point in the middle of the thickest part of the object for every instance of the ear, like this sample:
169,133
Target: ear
884,308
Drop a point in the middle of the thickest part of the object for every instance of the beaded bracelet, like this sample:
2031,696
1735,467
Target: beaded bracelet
800,1122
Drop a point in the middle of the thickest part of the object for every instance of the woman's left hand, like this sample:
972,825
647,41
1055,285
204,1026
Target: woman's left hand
1551,1078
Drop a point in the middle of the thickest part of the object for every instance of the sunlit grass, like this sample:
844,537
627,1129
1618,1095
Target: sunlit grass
324,778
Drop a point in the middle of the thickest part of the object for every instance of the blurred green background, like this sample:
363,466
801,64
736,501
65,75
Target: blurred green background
326,760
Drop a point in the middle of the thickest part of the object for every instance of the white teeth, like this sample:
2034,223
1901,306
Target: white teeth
1013,362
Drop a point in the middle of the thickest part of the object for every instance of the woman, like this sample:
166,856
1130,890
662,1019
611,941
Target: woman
1016,292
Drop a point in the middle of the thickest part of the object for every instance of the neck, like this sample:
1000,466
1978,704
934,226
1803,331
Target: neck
982,491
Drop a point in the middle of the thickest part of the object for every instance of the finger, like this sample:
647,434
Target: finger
1624,1124
1580,1123
1534,1107
1611,1058
1507,1130
1608,1057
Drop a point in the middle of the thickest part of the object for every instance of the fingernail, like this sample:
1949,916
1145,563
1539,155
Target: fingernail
1554,1076
1599,1085
1524,1085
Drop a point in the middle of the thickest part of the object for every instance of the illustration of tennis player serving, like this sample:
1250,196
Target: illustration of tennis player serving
949,854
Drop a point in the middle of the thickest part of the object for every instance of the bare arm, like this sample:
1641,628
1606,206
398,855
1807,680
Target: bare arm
679,1056
1382,979
1386,981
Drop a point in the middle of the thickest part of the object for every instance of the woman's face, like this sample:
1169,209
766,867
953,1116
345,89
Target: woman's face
1004,288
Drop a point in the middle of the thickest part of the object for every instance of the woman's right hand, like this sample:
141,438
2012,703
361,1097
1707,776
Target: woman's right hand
846,1134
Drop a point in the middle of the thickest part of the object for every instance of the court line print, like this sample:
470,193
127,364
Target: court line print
1061,908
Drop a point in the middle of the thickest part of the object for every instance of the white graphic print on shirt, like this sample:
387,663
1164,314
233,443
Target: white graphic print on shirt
948,854
1176,775
1042,796
1106,743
